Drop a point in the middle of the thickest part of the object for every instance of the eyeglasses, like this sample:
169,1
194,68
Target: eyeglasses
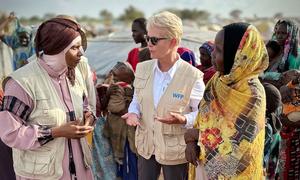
154,40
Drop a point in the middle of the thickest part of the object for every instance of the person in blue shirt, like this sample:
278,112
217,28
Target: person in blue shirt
21,41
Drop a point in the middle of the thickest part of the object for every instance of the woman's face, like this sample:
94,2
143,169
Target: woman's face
163,45
218,52
137,33
281,33
24,39
73,55
205,58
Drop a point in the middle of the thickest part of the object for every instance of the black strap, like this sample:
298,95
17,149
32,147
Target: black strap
72,116
72,168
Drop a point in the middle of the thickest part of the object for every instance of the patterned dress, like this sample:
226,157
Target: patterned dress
231,116
290,135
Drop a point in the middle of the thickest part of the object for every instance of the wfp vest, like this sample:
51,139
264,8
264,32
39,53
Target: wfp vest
45,162
165,141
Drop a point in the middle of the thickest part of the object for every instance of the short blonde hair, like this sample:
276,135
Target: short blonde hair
168,21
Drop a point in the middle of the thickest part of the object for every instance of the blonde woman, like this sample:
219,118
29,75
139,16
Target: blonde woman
165,103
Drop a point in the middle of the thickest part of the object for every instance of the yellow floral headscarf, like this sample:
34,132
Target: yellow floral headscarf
232,115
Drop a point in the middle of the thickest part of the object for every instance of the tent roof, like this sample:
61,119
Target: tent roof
104,52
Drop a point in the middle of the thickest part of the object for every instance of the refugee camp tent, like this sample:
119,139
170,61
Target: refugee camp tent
104,52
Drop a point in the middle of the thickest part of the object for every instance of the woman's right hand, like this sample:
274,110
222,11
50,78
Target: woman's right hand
71,130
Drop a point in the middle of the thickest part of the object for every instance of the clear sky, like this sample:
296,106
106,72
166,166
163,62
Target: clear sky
262,8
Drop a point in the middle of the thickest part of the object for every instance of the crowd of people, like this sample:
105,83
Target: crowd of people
236,115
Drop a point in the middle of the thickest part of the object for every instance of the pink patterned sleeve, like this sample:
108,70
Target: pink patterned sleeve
15,110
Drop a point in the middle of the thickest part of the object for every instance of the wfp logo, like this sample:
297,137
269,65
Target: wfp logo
177,96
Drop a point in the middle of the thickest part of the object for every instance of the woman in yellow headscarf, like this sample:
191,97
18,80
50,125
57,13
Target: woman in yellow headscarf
227,141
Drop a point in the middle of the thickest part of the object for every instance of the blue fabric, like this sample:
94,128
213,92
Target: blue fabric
104,166
271,150
188,57
208,46
268,143
128,171
129,164
20,53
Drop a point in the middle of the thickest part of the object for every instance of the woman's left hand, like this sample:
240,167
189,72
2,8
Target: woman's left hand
88,119
192,150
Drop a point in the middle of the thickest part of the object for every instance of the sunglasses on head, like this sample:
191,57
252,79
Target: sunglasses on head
154,40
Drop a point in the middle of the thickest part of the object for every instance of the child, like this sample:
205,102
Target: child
273,49
206,66
138,34
119,95
272,130
290,133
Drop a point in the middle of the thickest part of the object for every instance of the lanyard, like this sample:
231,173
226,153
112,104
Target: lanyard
72,116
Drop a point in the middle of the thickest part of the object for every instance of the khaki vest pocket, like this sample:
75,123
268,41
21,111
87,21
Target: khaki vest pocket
42,103
175,147
140,83
43,111
35,164
47,117
141,142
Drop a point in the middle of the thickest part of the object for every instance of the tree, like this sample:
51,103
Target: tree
236,14
174,11
106,17
190,14
194,14
49,16
35,19
278,15
130,14
84,18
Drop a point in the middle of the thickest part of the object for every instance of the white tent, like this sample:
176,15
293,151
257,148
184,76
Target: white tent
104,52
